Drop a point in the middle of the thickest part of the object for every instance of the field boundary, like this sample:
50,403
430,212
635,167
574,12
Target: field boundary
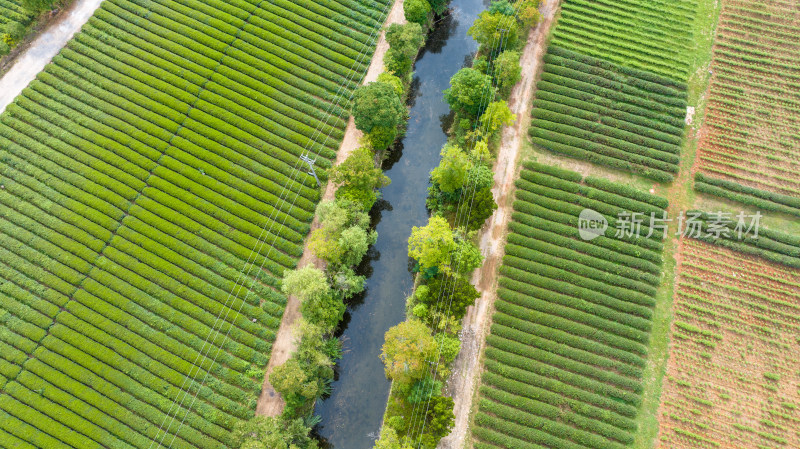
466,367
269,402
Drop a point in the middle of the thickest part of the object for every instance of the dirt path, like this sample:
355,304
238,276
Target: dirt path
466,368
42,49
270,402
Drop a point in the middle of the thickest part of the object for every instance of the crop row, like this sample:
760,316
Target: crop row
148,166
653,36
572,321
591,109
750,152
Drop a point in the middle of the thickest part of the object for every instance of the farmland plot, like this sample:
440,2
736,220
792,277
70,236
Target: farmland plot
569,340
138,172
614,90
588,108
751,138
651,35
732,377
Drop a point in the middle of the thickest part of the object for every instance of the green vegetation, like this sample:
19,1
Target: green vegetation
131,206
731,307
762,199
651,35
614,90
15,18
569,343
770,244
418,352
588,108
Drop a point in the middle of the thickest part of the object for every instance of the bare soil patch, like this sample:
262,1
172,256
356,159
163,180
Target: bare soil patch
732,373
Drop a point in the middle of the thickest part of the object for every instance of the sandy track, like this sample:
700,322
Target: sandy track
270,402
466,368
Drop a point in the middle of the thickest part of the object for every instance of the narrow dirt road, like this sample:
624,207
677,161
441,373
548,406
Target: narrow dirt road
270,402
466,368
42,50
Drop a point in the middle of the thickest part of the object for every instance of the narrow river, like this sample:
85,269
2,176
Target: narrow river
351,416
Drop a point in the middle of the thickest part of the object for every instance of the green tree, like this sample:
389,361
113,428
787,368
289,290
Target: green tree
468,90
507,71
459,291
438,6
492,29
528,12
264,432
358,177
388,439
502,7
296,384
417,11
439,421
497,115
406,351
424,389
404,44
467,257
431,245
482,207
326,242
318,304
377,104
453,169
37,6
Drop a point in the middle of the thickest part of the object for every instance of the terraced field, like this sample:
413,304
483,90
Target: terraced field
569,341
614,90
138,173
732,378
751,139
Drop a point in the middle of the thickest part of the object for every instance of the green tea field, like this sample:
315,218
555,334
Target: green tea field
613,90
569,340
149,177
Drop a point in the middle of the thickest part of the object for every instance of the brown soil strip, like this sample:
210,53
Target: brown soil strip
466,368
270,402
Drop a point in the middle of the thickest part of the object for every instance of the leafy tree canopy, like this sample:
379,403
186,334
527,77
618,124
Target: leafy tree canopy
468,90
377,104
492,28
453,169
507,71
406,350
416,11
359,173
264,432
497,115
432,244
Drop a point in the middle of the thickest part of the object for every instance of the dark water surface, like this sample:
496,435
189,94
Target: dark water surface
351,416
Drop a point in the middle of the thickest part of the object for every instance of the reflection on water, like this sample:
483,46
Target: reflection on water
351,416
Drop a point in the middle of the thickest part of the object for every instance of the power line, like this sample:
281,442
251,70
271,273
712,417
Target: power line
305,155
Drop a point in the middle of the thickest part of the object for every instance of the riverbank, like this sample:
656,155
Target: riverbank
270,402
466,367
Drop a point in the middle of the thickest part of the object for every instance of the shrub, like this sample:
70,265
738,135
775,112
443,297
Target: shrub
417,11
